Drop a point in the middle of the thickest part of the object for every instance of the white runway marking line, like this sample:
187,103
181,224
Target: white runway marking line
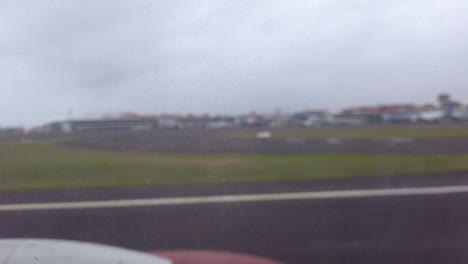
237,198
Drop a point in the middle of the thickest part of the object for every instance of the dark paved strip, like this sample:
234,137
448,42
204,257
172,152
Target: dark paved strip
422,229
228,189
202,141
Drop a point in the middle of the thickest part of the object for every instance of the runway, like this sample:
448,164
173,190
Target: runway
208,141
429,227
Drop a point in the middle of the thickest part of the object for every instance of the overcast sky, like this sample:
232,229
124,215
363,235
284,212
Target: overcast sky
61,59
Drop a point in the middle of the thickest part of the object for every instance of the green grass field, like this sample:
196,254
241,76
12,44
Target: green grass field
428,131
46,165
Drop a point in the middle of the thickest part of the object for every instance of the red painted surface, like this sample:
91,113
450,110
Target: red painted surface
210,257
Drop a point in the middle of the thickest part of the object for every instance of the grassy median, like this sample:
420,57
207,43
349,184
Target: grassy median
28,165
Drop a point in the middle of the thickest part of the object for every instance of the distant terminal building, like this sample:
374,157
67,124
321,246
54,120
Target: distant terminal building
311,118
447,110
389,113
11,132
113,125
136,124
356,118
252,120
380,109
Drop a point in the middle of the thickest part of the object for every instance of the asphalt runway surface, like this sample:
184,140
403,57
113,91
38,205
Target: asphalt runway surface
386,229
205,141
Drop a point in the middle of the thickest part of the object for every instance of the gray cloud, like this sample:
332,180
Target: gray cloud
225,56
